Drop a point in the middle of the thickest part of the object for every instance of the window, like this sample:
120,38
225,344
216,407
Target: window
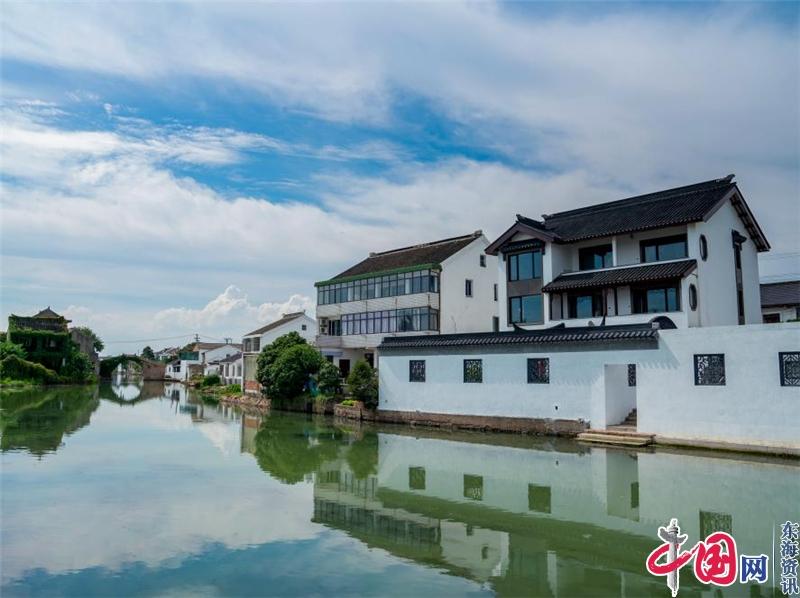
665,248
416,370
525,310
587,305
473,487
703,248
631,374
715,522
772,318
539,498
692,297
539,370
473,370
525,266
303,327
709,369
416,478
655,299
790,368
482,260
392,320
256,345
592,258
634,495
495,324
407,283
495,291
468,287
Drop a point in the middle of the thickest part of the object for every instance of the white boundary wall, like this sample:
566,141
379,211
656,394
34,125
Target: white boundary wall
752,408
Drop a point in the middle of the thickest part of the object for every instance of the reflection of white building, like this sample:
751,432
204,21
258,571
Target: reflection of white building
547,521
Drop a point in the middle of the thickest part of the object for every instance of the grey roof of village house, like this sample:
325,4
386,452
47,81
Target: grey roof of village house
670,207
779,294
432,253
548,336
621,276
283,320
201,346
230,358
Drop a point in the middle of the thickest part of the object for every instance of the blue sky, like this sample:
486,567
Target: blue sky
195,167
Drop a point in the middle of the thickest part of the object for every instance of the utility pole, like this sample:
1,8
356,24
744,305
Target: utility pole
196,338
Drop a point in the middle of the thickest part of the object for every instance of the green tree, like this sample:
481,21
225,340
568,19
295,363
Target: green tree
363,384
8,348
271,352
290,371
77,367
147,353
97,343
329,379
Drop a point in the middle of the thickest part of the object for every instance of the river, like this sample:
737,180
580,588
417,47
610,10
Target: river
139,489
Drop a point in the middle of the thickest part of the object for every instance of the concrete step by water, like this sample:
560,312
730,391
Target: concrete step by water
616,436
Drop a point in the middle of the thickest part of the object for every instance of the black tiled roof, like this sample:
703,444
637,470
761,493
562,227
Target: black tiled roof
621,276
584,334
406,257
283,320
671,207
778,294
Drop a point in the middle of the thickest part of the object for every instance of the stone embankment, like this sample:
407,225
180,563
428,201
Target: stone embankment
246,400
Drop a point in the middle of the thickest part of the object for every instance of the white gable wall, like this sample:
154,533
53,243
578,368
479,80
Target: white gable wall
460,313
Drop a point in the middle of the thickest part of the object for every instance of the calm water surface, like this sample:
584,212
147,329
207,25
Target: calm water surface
133,489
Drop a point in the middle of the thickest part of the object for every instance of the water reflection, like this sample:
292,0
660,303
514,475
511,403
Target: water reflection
37,421
166,492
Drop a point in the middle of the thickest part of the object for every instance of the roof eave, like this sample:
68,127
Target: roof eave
518,227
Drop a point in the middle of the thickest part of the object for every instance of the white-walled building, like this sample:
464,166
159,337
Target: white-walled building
253,342
689,253
447,286
649,334
780,301
193,359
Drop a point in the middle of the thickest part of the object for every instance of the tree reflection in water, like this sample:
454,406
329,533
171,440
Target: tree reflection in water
37,421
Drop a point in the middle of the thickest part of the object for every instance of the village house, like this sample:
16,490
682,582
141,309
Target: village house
446,286
45,337
192,359
780,301
253,342
635,313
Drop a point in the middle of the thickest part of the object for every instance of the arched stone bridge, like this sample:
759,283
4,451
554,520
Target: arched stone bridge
151,370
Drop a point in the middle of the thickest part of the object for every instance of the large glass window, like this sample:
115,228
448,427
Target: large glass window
391,285
592,258
391,320
664,248
525,310
585,305
654,299
525,266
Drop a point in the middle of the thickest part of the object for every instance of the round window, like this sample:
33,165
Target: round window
703,247
693,297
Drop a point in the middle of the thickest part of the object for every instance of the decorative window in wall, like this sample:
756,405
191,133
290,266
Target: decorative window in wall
539,370
692,297
473,370
539,498
416,370
709,369
631,374
715,522
790,368
473,487
416,478
703,248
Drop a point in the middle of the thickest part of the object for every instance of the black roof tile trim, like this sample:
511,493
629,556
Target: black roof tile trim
661,209
434,252
585,334
620,276
779,294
